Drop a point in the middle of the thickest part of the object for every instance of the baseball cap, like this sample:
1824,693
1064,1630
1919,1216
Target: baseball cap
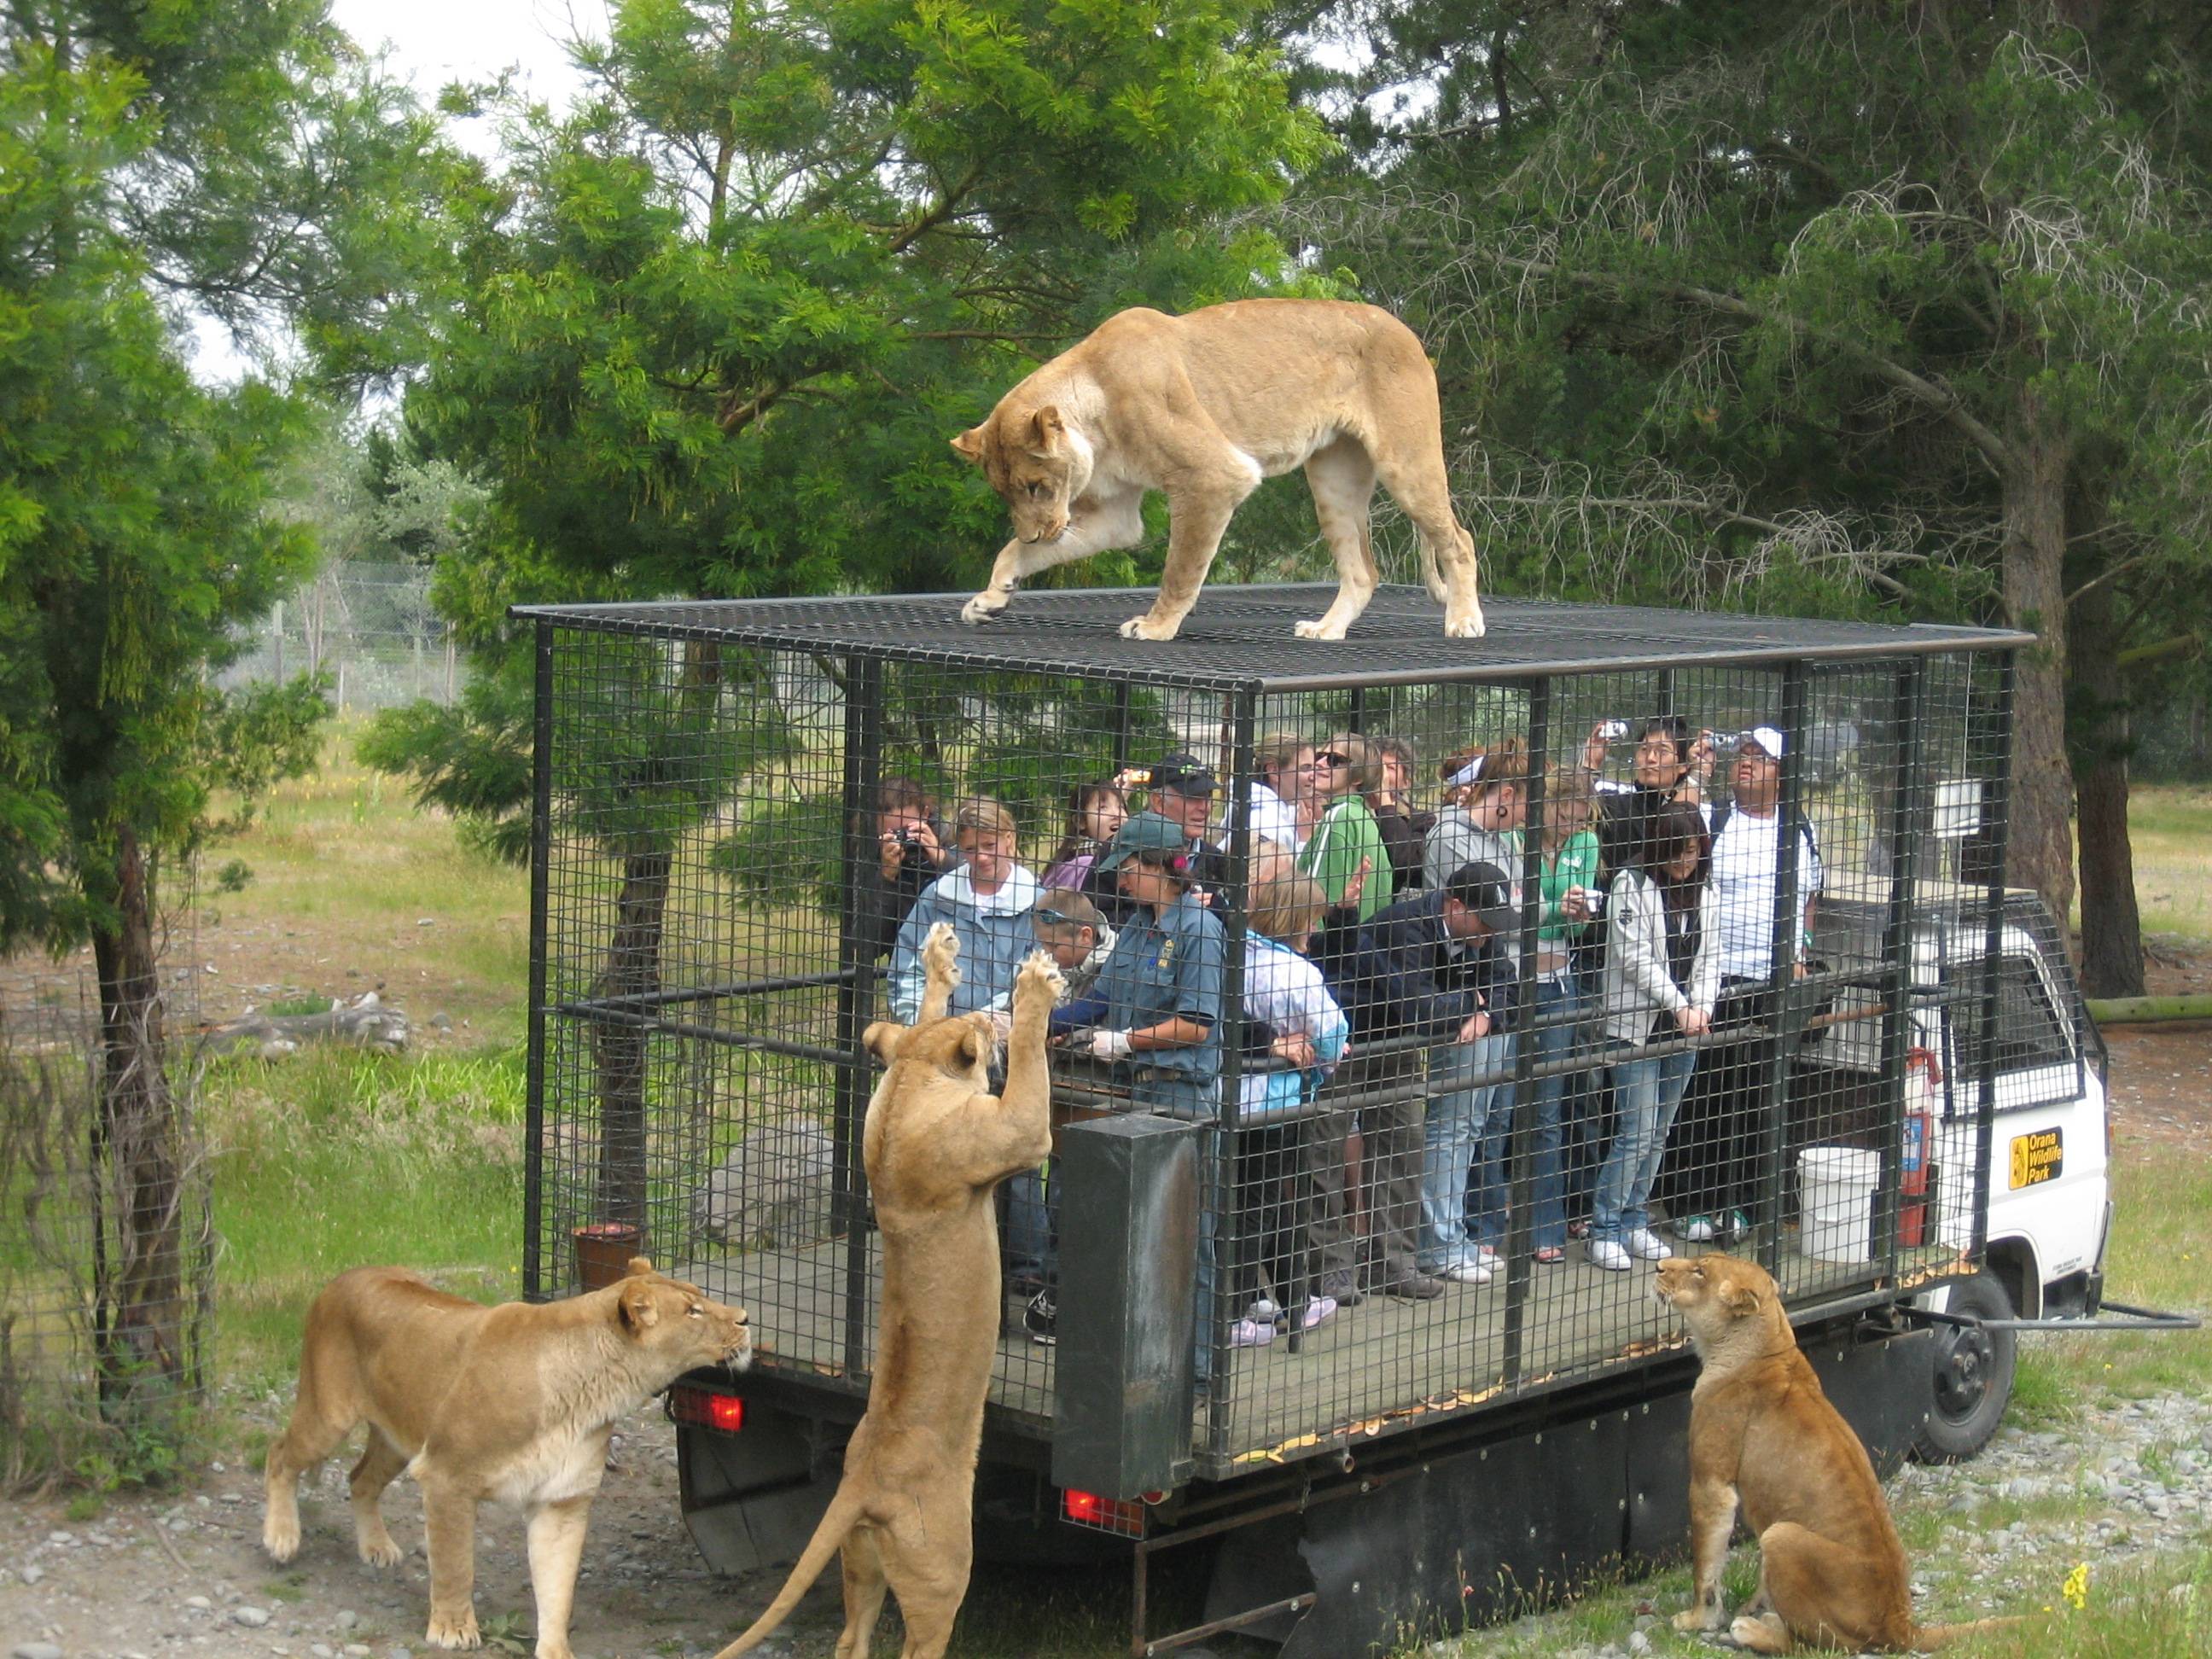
1184,773
1147,832
1483,889
1766,738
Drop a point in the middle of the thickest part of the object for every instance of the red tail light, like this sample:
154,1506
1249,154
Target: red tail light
1088,1509
706,1408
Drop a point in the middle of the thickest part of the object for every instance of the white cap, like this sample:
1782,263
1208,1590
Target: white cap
1767,737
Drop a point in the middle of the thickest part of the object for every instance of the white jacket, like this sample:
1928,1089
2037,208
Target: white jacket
1637,987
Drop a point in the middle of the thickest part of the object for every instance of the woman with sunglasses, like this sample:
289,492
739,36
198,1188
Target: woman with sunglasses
1344,854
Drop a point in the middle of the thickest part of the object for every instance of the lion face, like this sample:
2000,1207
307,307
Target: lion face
1713,1293
1036,464
959,1045
683,1325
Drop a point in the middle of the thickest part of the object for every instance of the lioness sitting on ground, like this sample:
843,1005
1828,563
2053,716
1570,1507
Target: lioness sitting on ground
936,1143
1204,406
514,1402
1830,1570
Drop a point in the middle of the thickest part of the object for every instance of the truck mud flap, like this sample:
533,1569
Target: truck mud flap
1481,1533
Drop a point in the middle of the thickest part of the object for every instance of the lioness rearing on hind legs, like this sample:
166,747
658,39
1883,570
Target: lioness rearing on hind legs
1204,406
1831,1568
936,1143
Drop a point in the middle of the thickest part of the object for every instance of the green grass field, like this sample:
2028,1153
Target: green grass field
2167,831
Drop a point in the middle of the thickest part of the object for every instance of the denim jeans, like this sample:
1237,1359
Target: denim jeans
1555,999
1646,1093
1459,1121
1032,1219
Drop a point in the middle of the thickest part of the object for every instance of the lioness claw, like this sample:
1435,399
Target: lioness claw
384,1554
453,1632
981,608
1317,629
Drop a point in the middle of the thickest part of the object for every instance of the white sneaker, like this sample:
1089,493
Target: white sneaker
1264,1308
1647,1246
1252,1334
1320,1310
1698,1228
1489,1255
1604,1252
1468,1273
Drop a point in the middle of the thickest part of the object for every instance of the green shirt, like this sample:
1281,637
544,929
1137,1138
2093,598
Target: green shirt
1574,865
1347,833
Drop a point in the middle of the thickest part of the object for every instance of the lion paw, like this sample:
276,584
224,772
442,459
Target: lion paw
1470,627
281,1538
940,953
1318,628
984,607
1040,975
453,1630
1144,628
380,1552
1697,1618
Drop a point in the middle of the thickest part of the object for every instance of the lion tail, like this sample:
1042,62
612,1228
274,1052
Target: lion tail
828,1538
1926,1638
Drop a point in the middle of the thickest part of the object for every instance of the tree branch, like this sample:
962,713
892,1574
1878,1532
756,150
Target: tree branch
939,213
1931,394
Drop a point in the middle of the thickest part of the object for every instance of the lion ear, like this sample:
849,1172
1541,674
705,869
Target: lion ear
976,1044
969,443
881,1039
1741,1299
636,1307
639,1268
1047,430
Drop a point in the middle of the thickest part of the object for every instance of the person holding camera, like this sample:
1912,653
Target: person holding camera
1661,979
914,848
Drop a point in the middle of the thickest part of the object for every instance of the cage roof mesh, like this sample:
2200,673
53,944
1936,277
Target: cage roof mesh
1241,636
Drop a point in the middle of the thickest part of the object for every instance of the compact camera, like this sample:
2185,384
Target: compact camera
1612,731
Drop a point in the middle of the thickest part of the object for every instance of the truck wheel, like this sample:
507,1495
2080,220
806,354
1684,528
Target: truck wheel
1972,1376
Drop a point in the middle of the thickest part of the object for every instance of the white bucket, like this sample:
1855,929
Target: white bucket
1835,1190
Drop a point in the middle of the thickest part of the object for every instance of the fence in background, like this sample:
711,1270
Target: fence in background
370,626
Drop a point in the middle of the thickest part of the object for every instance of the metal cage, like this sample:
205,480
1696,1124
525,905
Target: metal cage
715,919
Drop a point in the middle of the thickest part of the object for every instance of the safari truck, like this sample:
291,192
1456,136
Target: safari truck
1920,1111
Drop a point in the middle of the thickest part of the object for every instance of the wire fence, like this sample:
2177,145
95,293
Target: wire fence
370,626
1411,967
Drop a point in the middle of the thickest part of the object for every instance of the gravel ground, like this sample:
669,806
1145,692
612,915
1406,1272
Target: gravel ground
178,1574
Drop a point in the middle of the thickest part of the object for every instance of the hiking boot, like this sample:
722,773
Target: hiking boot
1041,1318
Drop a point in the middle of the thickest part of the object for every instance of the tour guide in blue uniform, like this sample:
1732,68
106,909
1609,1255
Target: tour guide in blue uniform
1161,984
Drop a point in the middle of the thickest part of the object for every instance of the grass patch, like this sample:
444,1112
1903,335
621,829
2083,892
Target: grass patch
2166,833
337,1157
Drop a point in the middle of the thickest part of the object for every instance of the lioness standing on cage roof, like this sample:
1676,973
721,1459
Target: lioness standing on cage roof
1204,406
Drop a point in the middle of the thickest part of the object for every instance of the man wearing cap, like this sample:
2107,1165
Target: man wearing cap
1428,968
1183,791
1716,1141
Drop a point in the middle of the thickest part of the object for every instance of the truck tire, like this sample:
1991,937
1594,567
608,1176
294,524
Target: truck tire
1972,1376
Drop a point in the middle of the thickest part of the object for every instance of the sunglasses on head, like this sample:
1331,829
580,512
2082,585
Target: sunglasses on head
1057,918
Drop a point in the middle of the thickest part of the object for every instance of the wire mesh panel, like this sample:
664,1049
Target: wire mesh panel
1490,972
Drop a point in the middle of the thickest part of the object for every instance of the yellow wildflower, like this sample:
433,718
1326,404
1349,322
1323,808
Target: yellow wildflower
2076,1589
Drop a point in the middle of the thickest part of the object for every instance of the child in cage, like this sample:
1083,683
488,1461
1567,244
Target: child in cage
1068,926
1662,978
1294,1033
1094,812
987,900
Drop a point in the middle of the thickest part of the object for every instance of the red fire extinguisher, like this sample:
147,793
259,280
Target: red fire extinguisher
1922,1074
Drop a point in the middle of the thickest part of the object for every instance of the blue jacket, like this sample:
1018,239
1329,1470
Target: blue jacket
994,934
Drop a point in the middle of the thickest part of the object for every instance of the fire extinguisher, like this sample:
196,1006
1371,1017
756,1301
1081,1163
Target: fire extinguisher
1922,1074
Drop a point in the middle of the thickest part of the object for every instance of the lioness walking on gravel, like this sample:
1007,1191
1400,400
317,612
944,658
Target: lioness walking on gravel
936,1143
1204,406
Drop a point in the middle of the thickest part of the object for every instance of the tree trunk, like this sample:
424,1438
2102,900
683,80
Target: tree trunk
2111,928
2040,830
632,972
139,1311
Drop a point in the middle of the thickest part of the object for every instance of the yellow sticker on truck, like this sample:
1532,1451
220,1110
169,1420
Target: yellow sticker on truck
2038,1158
